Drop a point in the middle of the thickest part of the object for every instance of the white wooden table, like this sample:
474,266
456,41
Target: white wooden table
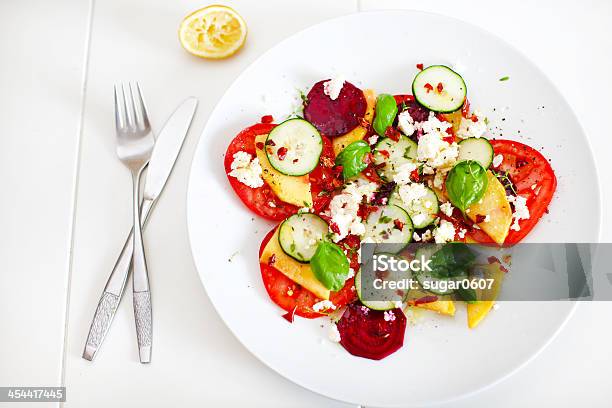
65,205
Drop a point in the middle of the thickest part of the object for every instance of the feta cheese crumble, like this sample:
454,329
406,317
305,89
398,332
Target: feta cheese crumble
487,218
497,160
333,87
521,212
323,305
445,232
416,237
372,140
412,193
406,123
344,207
247,171
334,334
471,128
402,176
447,208
461,233
389,316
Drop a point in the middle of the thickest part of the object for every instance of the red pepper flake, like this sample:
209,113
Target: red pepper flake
259,145
428,87
546,210
384,153
398,224
474,118
295,160
270,143
480,218
337,170
465,110
365,210
392,133
503,268
440,87
419,66
425,299
414,176
493,259
272,260
290,315
449,139
267,119
282,153
326,162
363,122
334,227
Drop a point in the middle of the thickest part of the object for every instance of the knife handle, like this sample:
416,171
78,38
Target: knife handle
144,324
101,322
113,291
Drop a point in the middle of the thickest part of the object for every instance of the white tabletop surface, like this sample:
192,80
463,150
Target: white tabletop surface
65,204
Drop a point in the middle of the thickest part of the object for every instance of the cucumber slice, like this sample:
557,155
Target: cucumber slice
386,304
422,212
294,147
478,149
389,155
300,234
439,89
429,280
382,228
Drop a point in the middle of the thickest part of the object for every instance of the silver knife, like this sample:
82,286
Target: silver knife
165,153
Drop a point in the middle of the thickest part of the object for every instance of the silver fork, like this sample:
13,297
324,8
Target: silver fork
135,143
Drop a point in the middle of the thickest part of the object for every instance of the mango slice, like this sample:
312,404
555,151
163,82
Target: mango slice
290,189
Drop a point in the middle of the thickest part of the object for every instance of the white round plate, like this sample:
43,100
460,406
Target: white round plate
441,359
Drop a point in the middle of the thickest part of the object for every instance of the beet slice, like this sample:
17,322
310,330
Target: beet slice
366,333
335,117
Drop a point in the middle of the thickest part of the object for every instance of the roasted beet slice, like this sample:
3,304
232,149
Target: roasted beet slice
370,333
335,117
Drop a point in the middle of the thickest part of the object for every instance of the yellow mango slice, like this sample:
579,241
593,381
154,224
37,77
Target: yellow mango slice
478,310
495,204
290,189
359,132
300,273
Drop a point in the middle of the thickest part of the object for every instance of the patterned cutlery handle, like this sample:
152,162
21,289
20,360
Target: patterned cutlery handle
101,323
144,324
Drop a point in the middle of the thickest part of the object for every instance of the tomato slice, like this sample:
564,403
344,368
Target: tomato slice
527,167
290,296
262,200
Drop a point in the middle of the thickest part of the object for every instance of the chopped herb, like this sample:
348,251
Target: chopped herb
504,78
384,220
292,247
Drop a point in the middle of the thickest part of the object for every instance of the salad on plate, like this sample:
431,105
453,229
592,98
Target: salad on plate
360,167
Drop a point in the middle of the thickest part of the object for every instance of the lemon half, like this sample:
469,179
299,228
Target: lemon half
213,32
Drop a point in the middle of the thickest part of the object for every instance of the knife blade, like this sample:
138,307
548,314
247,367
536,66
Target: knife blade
167,148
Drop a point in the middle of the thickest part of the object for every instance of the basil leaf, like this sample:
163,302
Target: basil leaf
466,183
386,110
330,265
352,158
452,260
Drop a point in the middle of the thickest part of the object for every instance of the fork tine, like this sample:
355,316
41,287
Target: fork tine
136,105
143,107
128,112
119,118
